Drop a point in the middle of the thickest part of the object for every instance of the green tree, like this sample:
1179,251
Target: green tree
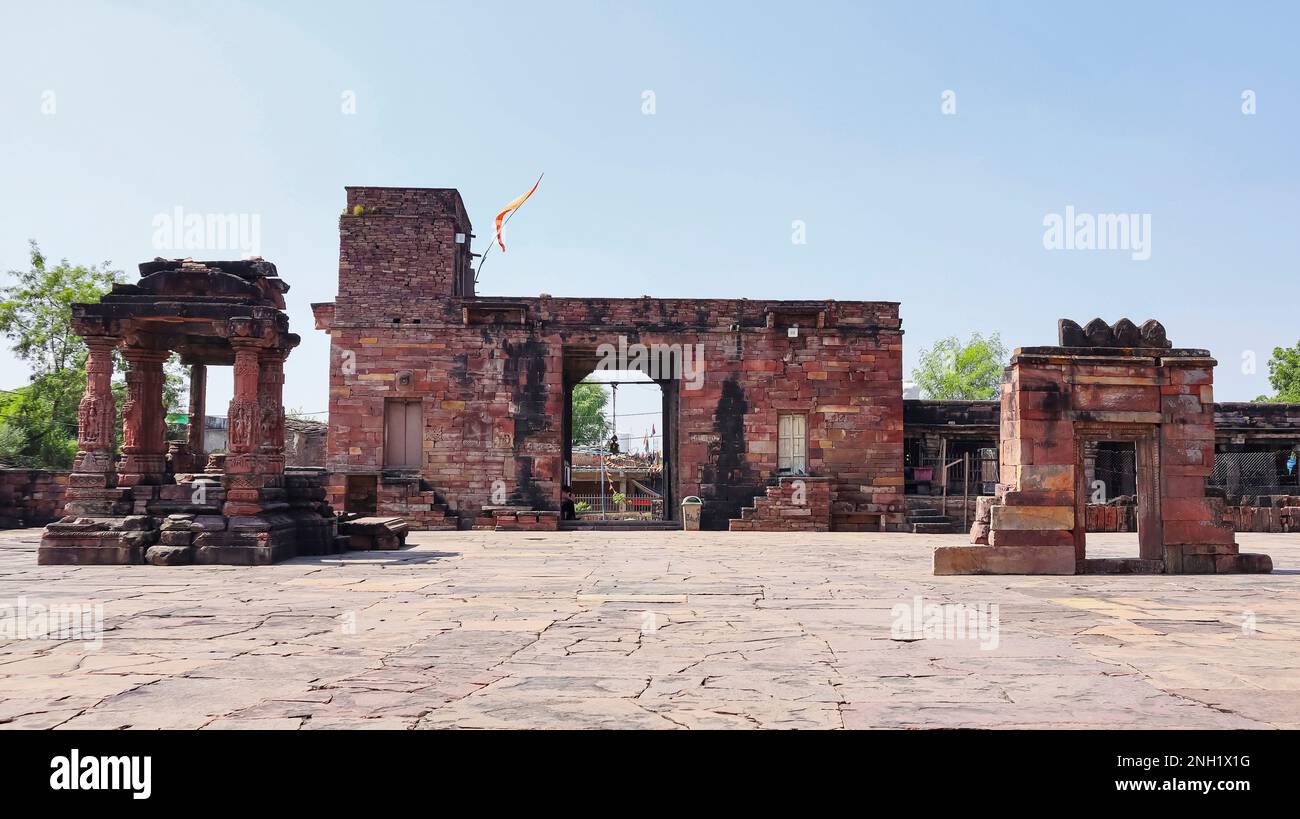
970,371
1284,375
38,422
40,419
589,425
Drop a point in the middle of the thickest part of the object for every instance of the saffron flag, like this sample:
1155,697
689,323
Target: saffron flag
511,208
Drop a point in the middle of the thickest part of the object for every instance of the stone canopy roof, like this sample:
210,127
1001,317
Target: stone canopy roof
193,308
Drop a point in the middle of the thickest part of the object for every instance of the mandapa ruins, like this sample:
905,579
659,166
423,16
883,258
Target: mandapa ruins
153,505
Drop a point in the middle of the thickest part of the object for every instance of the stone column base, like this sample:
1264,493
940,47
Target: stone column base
143,470
1214,558
186,538
1060,559
87,541
1004,560
80,501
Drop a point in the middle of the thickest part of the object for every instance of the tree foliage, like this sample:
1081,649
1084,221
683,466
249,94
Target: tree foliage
36,312
38,422
1284,375
970,371
589,425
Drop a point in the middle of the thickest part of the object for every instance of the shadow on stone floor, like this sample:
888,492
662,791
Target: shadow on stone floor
408,556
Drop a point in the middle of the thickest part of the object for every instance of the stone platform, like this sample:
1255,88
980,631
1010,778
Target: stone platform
183,523
666,630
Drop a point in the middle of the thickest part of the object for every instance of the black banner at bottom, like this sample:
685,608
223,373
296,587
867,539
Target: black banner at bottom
143,771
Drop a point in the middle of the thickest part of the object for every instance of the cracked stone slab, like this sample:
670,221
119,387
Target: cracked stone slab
654,630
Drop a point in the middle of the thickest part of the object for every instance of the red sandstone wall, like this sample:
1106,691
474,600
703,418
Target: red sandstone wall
30,497
493,398
304,447
403,247
489,374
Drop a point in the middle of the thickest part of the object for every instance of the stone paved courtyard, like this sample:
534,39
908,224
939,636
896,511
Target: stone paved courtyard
650,630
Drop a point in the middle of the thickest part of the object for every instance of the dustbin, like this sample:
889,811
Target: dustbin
691,506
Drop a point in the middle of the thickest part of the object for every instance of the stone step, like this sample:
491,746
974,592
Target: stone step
620,525
924,514
944,527
857,521
444,525
1121,565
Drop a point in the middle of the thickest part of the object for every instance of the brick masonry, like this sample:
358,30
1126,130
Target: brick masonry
789,505
491,375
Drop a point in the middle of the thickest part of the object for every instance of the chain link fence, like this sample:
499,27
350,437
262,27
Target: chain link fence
1117,471
1253,473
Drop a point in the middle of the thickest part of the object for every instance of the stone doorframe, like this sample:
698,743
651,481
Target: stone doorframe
1146,441
578,362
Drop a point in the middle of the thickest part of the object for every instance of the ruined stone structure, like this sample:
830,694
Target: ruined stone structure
30,497
1252,444
447,407
1105,383
243,508
791,505
304,442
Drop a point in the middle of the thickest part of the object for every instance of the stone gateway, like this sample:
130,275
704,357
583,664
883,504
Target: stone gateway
1104,383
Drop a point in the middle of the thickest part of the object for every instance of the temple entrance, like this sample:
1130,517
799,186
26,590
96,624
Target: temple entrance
1119,496
619,441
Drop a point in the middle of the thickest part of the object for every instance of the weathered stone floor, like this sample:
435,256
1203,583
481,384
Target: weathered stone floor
650,630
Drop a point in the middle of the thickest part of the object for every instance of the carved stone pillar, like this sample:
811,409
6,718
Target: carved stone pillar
244,468
96,417
270,396
144,426
198,410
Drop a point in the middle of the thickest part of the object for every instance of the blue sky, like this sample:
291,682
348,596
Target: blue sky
765,113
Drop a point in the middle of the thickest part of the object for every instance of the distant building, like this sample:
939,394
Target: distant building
304,439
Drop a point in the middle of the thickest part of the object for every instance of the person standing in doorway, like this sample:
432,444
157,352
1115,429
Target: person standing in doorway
568,509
